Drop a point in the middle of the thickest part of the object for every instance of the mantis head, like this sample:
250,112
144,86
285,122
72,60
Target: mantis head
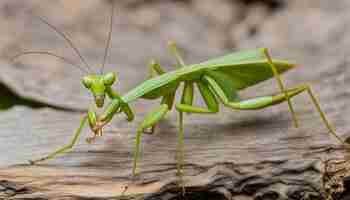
98,84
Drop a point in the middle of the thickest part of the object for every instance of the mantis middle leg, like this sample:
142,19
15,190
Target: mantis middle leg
208,96
186,106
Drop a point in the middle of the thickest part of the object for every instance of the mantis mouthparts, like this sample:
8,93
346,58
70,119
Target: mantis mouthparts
100,100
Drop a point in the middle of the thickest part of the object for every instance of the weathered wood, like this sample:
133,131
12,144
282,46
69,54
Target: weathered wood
231,155
256,153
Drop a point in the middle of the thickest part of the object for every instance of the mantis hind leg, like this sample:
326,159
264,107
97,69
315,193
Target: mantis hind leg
66,147
307,88
266,101
323,115
281,86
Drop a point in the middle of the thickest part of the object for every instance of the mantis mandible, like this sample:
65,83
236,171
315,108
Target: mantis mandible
218,81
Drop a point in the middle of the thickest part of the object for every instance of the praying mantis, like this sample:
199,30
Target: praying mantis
219,80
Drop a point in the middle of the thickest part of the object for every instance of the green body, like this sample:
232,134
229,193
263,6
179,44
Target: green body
218,81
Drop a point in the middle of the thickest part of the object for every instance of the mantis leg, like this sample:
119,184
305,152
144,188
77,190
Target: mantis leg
209,99
127,111
154,69
107,115
186,106
186,102
66,147
186,99
167,99
323,115
173,50
116,105
266,101
280,84
179,150
151,119
254,103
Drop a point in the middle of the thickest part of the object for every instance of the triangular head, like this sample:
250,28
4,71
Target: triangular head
99,84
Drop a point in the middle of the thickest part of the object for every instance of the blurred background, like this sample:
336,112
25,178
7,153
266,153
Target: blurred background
311,33
315,34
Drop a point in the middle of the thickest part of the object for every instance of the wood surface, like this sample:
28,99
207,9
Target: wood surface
231,153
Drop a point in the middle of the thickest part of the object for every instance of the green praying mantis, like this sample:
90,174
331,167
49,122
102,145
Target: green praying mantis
219,80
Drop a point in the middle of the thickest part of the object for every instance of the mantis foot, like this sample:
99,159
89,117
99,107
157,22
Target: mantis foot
34,162
149,131
180,182
90,140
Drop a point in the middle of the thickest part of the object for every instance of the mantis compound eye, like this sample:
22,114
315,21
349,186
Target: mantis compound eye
87,82
109,78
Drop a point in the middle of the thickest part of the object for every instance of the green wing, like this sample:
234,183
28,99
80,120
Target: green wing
227,84
246,68
235,58
248,74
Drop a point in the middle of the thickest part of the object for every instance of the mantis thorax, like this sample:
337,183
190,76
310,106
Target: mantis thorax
98,85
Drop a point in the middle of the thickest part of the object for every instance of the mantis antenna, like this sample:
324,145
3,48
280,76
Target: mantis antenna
108,40
51,54
68,40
